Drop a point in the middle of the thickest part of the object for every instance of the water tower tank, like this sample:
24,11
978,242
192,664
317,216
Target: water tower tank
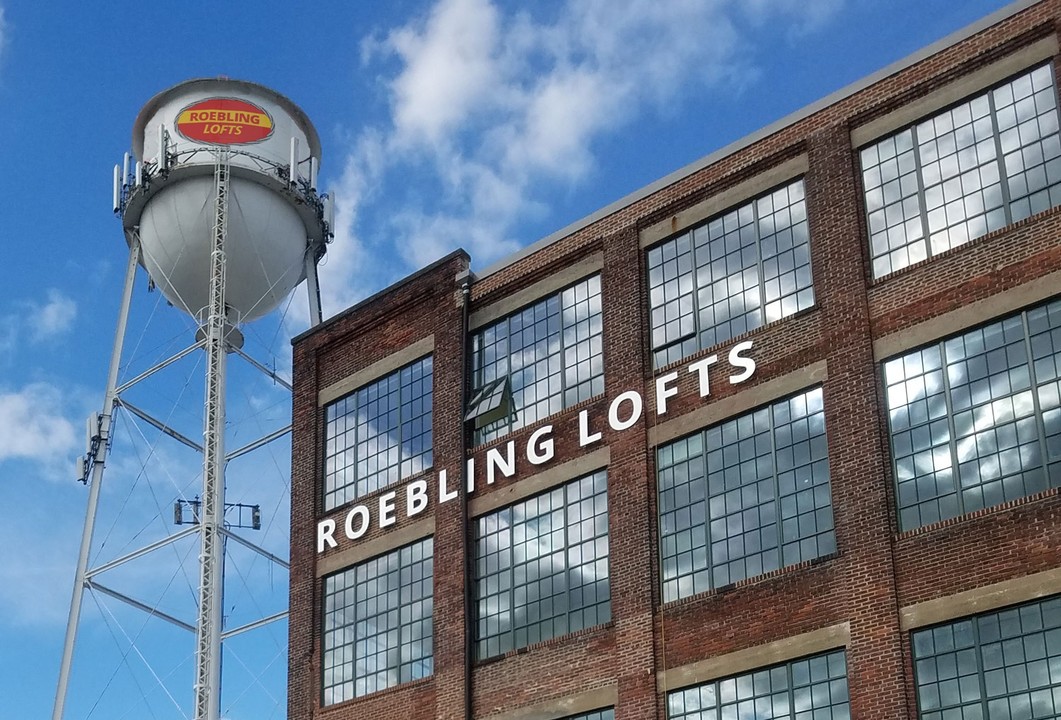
274,214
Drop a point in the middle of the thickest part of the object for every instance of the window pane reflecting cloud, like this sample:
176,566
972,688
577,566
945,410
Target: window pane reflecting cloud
736,272
975,419
814,687
989,161
1004,664
745,497
378,434
378,623
541,567
552,352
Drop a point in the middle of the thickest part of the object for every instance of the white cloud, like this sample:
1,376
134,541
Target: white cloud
3,31
34,426
451,64
52,318
39,321
800,16
488,107
344,272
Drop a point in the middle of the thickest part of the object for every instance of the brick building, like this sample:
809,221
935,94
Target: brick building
777,436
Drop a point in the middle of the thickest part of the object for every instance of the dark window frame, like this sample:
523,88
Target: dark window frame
979,643
917,173
605,713
745,691
692,339
584,604
407,576
904,463
701,575
335,495
586,333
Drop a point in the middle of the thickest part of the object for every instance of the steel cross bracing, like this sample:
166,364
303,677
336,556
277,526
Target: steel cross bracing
87,577
215,459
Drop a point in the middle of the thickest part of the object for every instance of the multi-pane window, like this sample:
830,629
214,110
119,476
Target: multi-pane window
378,434
738,271
975,420
745,497
989,161
378,623
1003,664
541,567
550,351
814,687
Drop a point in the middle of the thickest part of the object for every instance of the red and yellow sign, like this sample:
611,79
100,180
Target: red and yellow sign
224,121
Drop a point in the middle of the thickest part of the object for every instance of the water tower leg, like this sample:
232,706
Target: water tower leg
212,555
313,287
96,480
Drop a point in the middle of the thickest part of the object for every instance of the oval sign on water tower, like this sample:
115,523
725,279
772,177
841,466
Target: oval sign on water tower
224,121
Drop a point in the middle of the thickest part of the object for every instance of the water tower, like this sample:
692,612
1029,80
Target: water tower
219,205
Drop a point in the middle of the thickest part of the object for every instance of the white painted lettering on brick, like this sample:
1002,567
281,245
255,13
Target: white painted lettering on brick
700,368
416,497
584,436
495,462
739,361
636,407
357,511
623,413
663,392
540,446
444,493
326,534
386,509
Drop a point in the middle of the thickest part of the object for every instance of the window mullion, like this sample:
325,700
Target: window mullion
952,444
791,689
397,669
980,678
1000,160
511,579
562,344
478,373
1053,85
921,201
353,628
1040,430
761,279
894,460
777,487
707,519
694,283
506,324
567,569
478,359
401,398
476,586
357,453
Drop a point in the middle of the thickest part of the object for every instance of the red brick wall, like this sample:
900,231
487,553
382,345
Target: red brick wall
875,571
426,304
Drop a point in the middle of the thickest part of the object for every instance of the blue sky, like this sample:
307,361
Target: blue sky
472,123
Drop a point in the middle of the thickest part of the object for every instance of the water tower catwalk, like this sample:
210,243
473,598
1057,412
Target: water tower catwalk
219,205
